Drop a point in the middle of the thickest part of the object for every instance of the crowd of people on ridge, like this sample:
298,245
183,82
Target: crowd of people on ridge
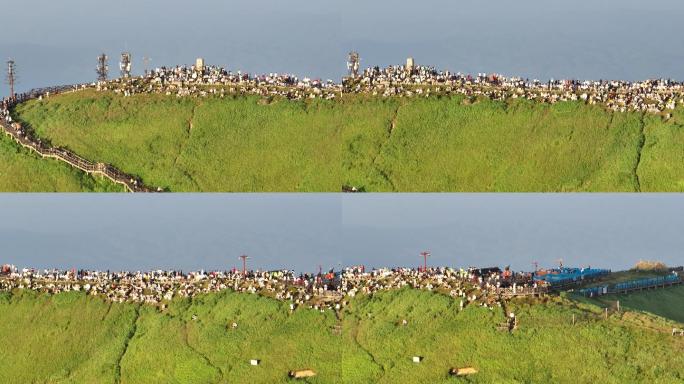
652,96
410,80
212,80
317,291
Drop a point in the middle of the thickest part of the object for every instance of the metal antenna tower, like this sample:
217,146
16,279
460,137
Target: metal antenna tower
146,62
11,76
125,65
102,69
353,62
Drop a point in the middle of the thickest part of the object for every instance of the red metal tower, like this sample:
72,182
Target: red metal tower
425,255
244,264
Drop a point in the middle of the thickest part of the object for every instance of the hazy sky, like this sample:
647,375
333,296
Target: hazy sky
56,42
301,231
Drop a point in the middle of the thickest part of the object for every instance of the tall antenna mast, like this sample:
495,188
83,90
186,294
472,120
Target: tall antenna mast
146,62
102,69
125,65
11,76
353,62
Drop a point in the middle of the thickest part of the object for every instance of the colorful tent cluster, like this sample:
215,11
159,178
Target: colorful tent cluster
561,276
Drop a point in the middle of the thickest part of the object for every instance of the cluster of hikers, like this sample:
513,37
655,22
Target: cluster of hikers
482,286
653,96
207,80
320,291
158,287
659,96
5,112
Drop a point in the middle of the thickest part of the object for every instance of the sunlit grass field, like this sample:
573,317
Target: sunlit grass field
248,143
662,159
70,338
186,144
668,302
23,171
443,145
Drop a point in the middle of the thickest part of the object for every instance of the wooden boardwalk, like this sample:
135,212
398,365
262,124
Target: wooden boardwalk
24,137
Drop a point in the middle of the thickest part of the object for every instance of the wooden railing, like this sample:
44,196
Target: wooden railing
522,291
24,136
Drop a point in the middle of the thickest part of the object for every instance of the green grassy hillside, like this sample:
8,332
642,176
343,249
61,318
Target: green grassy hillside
667,302
23,171
663,155
394,144
187,144
442,145
74,338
